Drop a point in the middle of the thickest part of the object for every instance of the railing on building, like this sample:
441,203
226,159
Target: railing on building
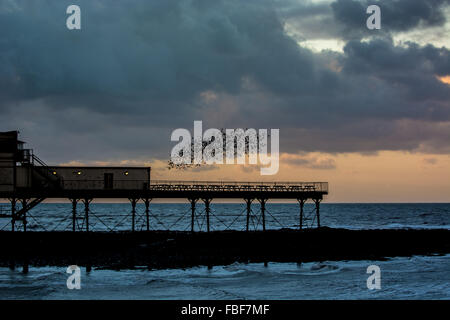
100,185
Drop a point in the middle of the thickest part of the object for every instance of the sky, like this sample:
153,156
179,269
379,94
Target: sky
366,110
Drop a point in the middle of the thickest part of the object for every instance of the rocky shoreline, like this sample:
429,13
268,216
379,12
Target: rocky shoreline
171,249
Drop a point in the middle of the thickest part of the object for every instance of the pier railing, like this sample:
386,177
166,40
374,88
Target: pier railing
170,185
238,186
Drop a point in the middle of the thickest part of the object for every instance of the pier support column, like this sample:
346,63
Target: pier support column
147,212
25,267
133,213
86,202
13,213
301,203
317,202
24,215
74,214
207,210
248,201
193,202
263,212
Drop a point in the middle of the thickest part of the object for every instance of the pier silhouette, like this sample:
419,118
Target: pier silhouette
26,181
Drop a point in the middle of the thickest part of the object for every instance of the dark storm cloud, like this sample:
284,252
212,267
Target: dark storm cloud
397,15
164,52
139,69
345,19
308,20
412,67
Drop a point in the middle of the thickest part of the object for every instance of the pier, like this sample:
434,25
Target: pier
26,181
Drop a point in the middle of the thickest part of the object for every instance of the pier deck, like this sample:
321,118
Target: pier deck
177,189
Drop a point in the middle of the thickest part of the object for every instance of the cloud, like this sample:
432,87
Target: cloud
162,53
430,161
309,161
412,68
397,15
346,19
138,70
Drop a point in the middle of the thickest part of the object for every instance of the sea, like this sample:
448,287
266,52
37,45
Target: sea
416,277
